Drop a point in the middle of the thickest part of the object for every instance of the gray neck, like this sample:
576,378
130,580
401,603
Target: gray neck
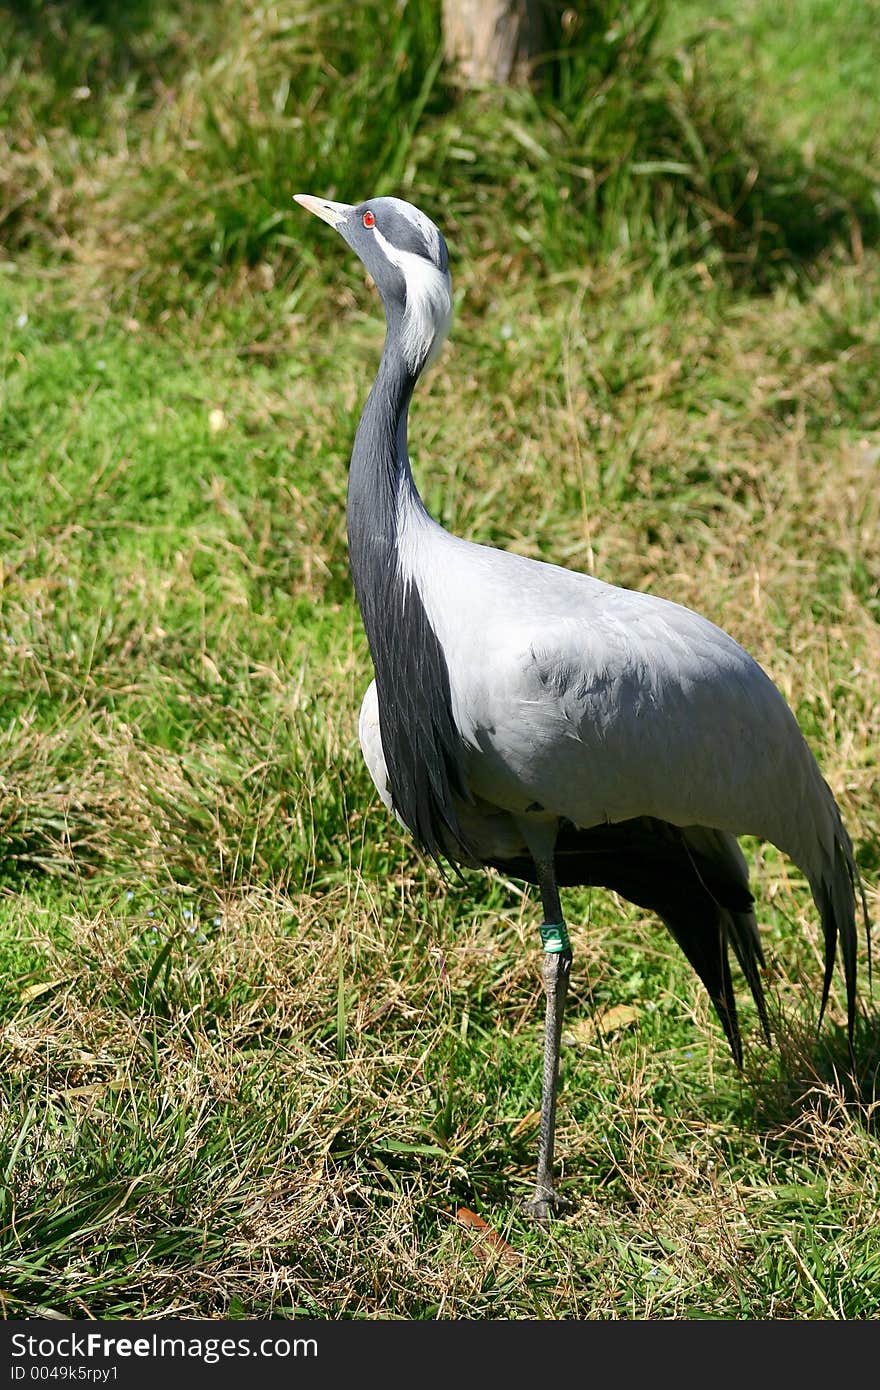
420,742
379,477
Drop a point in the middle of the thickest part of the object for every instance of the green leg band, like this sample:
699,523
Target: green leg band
554,938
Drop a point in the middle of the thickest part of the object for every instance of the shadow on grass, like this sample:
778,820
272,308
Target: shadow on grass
45,19
89,47
810,1075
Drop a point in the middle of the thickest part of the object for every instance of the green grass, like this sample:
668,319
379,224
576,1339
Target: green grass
257,1053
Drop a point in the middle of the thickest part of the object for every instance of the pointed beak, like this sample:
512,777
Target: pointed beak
334,213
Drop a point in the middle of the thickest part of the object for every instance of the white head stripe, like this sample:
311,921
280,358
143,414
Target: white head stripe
428,312
423,224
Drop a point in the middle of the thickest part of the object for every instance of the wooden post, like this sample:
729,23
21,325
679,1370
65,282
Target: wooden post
493,41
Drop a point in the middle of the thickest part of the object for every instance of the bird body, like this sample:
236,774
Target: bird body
576,700
540,720
601,704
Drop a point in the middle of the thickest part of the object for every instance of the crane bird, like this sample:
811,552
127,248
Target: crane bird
559,728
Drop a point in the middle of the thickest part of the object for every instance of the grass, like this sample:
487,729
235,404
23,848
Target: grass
257,1052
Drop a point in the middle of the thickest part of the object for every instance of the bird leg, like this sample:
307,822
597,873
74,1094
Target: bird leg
555,969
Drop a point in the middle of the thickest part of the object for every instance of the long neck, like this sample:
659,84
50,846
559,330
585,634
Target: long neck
379,478
420,742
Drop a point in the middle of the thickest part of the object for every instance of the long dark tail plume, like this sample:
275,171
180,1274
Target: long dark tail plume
704,939
693,880
836,892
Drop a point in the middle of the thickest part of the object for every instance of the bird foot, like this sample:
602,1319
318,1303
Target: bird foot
546,1202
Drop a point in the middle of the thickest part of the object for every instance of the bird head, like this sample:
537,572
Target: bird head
408,260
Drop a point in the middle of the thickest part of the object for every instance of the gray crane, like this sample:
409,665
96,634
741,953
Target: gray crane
559,728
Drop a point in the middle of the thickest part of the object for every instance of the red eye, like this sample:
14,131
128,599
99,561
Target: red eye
369,219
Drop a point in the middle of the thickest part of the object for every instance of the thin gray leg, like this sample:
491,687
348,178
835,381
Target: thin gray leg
555,969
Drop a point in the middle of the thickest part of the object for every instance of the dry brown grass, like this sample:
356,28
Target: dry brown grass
258,1053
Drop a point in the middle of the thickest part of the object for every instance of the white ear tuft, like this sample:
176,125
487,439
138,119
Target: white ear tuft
428,313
